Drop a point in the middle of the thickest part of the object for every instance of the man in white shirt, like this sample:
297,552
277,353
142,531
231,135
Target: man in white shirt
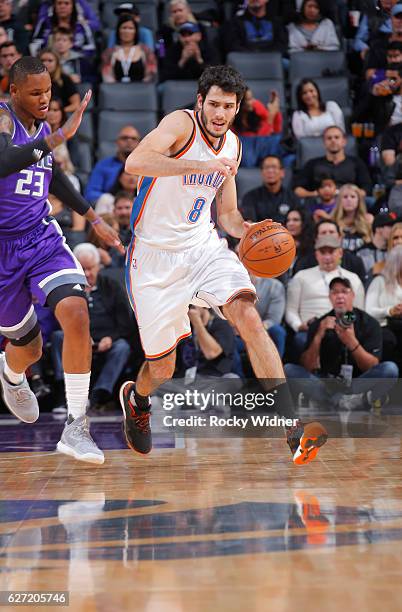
308,295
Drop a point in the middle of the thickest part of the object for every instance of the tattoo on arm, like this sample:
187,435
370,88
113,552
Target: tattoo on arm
6,123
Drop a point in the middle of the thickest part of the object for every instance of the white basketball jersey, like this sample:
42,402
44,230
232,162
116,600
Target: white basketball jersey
174,212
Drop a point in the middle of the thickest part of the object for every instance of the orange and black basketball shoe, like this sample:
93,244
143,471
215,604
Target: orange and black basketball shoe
305,441
136,423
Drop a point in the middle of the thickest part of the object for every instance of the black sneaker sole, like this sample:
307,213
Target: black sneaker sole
122,404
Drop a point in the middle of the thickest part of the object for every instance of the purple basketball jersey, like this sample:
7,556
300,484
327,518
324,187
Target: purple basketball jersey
23,195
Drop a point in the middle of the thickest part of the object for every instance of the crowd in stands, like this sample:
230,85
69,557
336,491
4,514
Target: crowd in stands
321,132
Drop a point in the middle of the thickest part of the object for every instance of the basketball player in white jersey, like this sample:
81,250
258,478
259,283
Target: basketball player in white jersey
176,257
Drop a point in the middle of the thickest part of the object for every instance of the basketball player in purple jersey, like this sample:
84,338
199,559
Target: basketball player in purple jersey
34,257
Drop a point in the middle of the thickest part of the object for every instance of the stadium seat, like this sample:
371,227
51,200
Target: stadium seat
83,160
106,148
85,132
128,97
247,179
257,65
110,122
262,90
316,64
308,148
82,90
331,88
178,94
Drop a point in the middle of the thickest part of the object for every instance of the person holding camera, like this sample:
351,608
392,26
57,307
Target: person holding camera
345,345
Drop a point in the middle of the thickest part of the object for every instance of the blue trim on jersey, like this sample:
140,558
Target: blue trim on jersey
139,200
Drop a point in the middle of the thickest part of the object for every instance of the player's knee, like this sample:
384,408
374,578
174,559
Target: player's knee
163,369
73,316
33,348
249,321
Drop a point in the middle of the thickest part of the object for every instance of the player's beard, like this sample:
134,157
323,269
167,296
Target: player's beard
209,132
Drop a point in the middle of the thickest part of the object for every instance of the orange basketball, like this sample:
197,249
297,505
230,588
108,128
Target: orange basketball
267,249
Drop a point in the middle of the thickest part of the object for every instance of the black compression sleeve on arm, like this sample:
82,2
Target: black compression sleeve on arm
63,189
15,158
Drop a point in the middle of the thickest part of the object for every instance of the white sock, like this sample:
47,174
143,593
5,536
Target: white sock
77,389
14,378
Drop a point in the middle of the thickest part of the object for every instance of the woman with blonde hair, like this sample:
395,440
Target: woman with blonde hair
62,85
384,303
351,215
395,239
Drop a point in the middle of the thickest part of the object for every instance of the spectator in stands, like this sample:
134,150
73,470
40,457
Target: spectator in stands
110,323
106,171
370,26
145,35
109,256
123,205
15,31
179,13
271,308
343,168
56,117
259,128
62,85
187,58
333,343
71,223
3,35
375,251
323,206
394,240
307,295
67,14
124,182
391,143
8,56
215,342
255,30
312,32
378,98
72,63
129,61
62,158
271,200
352,218
313,116
349,261
384,303
377,55
299,224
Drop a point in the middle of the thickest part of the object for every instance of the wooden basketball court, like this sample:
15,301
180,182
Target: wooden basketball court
201,525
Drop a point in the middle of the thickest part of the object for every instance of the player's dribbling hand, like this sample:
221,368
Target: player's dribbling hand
248,224
109,236
73,123
224,165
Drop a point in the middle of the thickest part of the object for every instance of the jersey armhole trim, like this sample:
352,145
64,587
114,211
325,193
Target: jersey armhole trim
189,142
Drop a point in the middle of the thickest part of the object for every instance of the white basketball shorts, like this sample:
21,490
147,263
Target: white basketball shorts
161,285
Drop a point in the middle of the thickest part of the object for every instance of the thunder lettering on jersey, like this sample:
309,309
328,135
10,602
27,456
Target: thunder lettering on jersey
23,195
174,212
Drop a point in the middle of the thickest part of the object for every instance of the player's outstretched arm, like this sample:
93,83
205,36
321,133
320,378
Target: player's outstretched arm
13,159
154,156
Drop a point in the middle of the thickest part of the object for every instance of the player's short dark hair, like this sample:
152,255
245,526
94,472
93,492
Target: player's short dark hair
24,67
225,77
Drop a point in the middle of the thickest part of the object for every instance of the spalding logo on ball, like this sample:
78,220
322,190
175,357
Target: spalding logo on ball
267,249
